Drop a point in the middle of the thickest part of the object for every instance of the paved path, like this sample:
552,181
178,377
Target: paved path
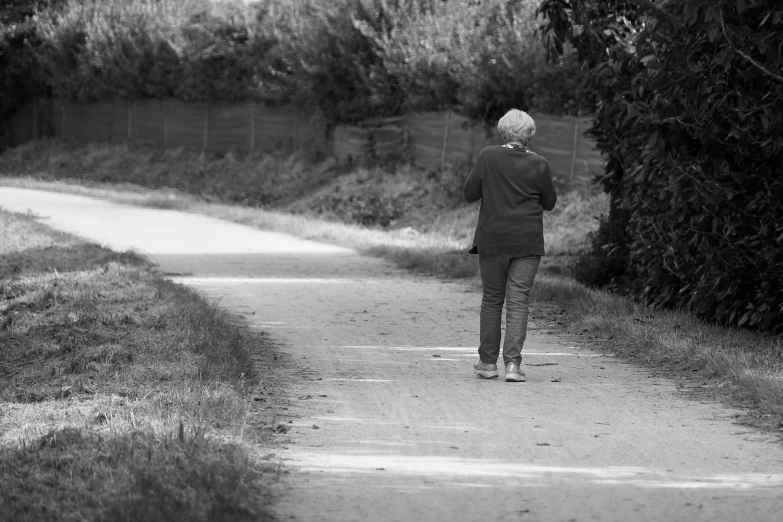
388,424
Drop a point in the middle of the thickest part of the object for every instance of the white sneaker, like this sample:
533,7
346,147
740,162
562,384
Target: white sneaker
485,371
513,373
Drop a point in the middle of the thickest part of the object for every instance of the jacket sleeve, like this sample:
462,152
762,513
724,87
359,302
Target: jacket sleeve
472,188
548,194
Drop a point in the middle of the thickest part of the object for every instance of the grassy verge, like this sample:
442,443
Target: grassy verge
412,217
740,367
123,396
431,236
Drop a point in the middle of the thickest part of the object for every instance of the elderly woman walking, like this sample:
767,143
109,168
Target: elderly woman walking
515,187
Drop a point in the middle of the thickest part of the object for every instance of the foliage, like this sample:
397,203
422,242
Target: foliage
226,59
17,11
338,67
690,121
349,59
195,50
22,77
478,57
560,87
605,263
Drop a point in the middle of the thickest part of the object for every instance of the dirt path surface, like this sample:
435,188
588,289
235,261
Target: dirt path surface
387,423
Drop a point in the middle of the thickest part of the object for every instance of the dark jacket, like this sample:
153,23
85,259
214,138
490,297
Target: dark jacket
514,187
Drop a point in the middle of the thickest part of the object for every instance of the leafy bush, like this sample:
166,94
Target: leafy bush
605,263
478,57
350,59
691,125
194,50
338,67
22,72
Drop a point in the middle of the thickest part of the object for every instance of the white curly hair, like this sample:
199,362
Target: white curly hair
517,125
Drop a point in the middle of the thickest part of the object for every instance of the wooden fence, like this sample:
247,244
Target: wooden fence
432,139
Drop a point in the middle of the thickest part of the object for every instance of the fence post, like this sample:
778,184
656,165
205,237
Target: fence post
206,125
130,121
253,125
95,127
35,120
573,152
445,140
165,124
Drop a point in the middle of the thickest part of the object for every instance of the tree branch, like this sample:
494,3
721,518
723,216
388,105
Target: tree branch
748,58
758,65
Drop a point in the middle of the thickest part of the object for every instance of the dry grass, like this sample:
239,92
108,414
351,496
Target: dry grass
259,179
123,397
746,366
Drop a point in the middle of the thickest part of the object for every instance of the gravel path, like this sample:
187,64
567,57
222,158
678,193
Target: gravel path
387,423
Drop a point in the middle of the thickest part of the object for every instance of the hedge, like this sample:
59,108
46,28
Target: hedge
691,123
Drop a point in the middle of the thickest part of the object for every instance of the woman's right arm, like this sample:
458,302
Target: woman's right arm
472,188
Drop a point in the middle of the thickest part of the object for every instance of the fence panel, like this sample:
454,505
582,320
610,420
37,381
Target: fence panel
350,143
119,111
425,131
104,122
311,132
22,125
377,137
444,137
555,141
274,128
78,121
389,136
147,122
229,127
185,124
57,117
482,136
433,139
459,140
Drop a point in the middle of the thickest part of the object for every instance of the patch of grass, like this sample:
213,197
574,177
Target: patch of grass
78,474
208,332
254,180
745,366
123,396
449,263
62,259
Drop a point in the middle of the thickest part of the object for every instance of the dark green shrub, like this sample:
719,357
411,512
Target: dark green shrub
22,71
339,67
691,123
605,262
370,208
195,50
228,58
480,58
